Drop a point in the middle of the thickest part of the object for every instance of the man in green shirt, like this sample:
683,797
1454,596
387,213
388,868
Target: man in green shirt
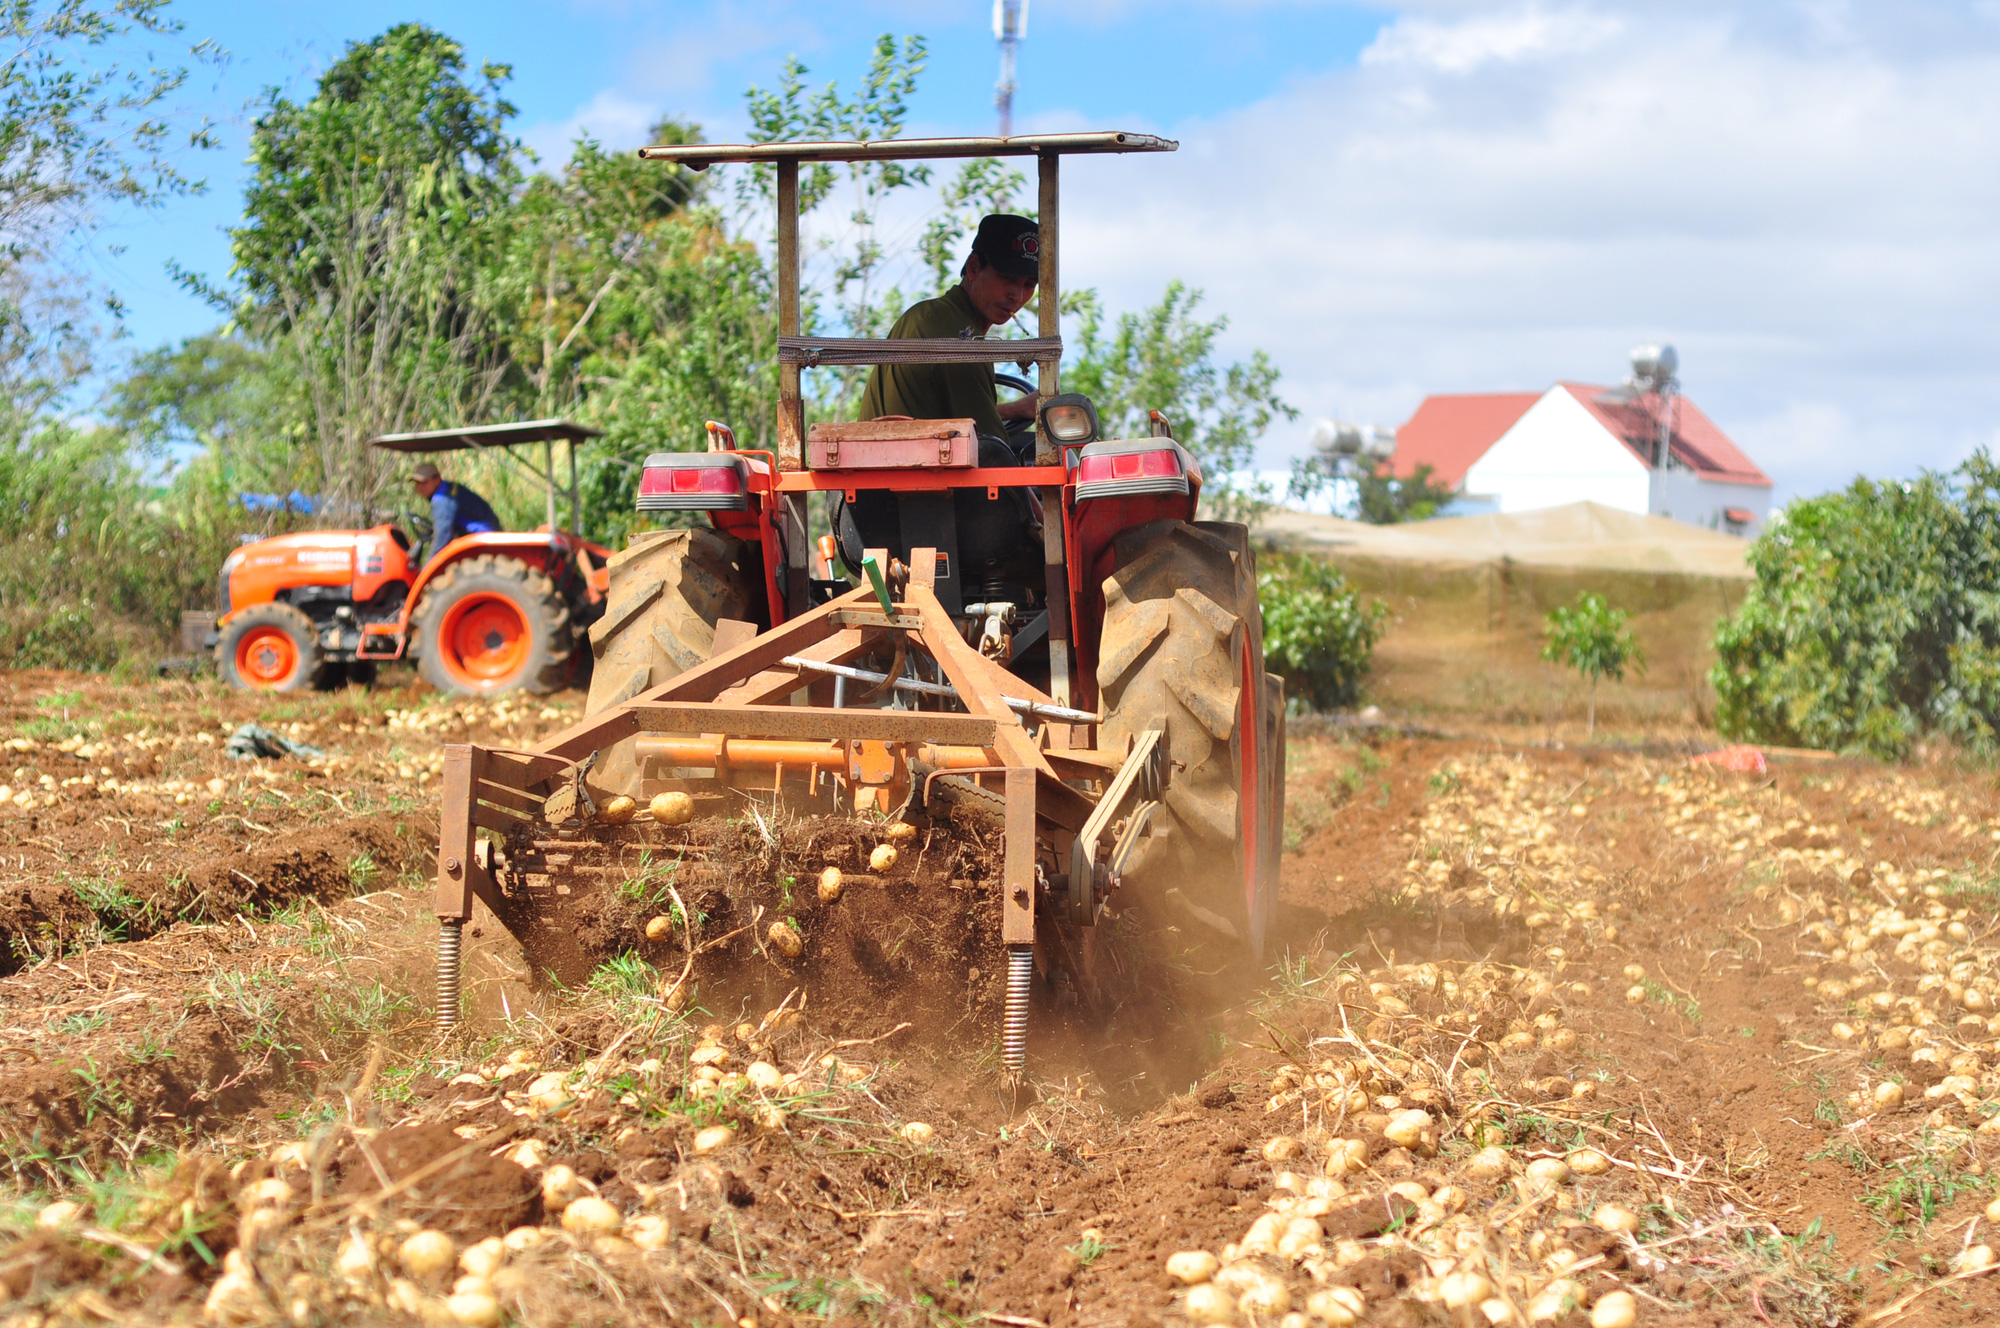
996,283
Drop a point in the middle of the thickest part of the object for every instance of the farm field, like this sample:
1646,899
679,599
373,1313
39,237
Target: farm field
1550,1036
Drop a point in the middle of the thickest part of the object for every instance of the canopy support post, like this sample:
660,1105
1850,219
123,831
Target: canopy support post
1048,452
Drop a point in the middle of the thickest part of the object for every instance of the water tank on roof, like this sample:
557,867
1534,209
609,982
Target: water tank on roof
1653,365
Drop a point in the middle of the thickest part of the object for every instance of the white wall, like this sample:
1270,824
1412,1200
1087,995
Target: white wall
1685,496
1558,453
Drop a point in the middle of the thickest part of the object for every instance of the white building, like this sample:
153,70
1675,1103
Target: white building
1517,451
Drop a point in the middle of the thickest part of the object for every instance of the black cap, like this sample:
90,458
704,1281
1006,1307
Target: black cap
1011,245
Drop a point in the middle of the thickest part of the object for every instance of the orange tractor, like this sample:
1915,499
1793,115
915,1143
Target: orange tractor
486,613
1037,629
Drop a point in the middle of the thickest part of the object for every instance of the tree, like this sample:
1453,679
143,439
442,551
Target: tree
1383,500
1588,635
79,127
1874,618
368,223
1164,359
1317,634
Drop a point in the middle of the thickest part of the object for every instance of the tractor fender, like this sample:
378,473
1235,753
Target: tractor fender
528,547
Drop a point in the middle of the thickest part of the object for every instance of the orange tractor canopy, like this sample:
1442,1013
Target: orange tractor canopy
489,612
1033,629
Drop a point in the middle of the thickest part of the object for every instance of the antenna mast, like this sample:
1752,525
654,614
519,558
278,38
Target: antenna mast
1010,24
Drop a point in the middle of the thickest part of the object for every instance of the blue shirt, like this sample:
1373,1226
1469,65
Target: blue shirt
457,510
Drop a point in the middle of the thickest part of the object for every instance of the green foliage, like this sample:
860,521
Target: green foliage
95,563
1164,359
1384,500
1318,636
1590,636
1874,619
79,127
368,222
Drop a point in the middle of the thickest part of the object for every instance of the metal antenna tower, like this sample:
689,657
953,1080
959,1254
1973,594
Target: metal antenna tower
1010,24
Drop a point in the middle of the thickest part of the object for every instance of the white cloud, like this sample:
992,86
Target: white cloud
1798,195
1457,48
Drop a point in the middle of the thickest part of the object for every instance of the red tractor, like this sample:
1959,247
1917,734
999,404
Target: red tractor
486,613
1036,628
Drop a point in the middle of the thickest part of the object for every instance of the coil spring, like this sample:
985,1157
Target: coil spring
451,934
1014,1034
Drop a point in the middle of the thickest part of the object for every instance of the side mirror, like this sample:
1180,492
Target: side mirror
1070,419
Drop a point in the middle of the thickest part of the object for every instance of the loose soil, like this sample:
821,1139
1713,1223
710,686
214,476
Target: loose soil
216,1023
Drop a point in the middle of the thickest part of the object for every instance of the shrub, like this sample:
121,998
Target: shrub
1318,636
1874,619
1588,635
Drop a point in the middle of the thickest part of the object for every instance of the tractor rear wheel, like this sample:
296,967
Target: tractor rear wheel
269,648
1183,651
490,625
668,590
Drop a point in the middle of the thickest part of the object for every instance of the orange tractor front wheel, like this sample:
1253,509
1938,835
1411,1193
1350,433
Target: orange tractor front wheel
268,648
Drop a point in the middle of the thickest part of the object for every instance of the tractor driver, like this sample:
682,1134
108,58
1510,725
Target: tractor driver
996,283
455,509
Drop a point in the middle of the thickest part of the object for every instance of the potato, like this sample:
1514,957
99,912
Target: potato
559,1186
357,1259
1339,1306
659,928
1489,1164
1888,1095
1193,1267
427,1254
649,1231
714,1137
916,1132
1613,1217
1556,1300
474,1309
591,1216
829,885
1588,1162
1457,1290
1635,995
1282,1148
60,1213
674,808
1614,1309
900,832
1548,1170
1267,1296
764,1076
1978,1258
483,1258
523,1238
1209,1303
785,939
618,811
1345,1157
1406,1128
883,858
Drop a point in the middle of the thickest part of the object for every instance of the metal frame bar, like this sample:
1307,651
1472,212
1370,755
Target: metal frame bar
701,156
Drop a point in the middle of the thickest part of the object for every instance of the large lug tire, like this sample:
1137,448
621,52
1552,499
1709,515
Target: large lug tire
491,624
269,648
1183,651
668,590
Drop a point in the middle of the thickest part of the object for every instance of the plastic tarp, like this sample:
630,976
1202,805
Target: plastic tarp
1577,535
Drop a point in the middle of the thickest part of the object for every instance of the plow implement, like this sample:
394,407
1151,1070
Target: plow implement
934,723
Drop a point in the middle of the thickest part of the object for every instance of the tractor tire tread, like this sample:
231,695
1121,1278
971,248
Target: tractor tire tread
532,590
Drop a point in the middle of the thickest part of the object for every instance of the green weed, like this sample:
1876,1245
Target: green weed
361,870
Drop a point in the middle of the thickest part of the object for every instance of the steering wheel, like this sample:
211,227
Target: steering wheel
1020,433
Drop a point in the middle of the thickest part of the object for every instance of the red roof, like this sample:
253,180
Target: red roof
1450,433
1705,449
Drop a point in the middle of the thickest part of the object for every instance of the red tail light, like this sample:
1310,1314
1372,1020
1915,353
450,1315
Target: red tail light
693,482
1125,467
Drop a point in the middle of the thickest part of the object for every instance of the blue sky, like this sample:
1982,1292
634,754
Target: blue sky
1419,196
